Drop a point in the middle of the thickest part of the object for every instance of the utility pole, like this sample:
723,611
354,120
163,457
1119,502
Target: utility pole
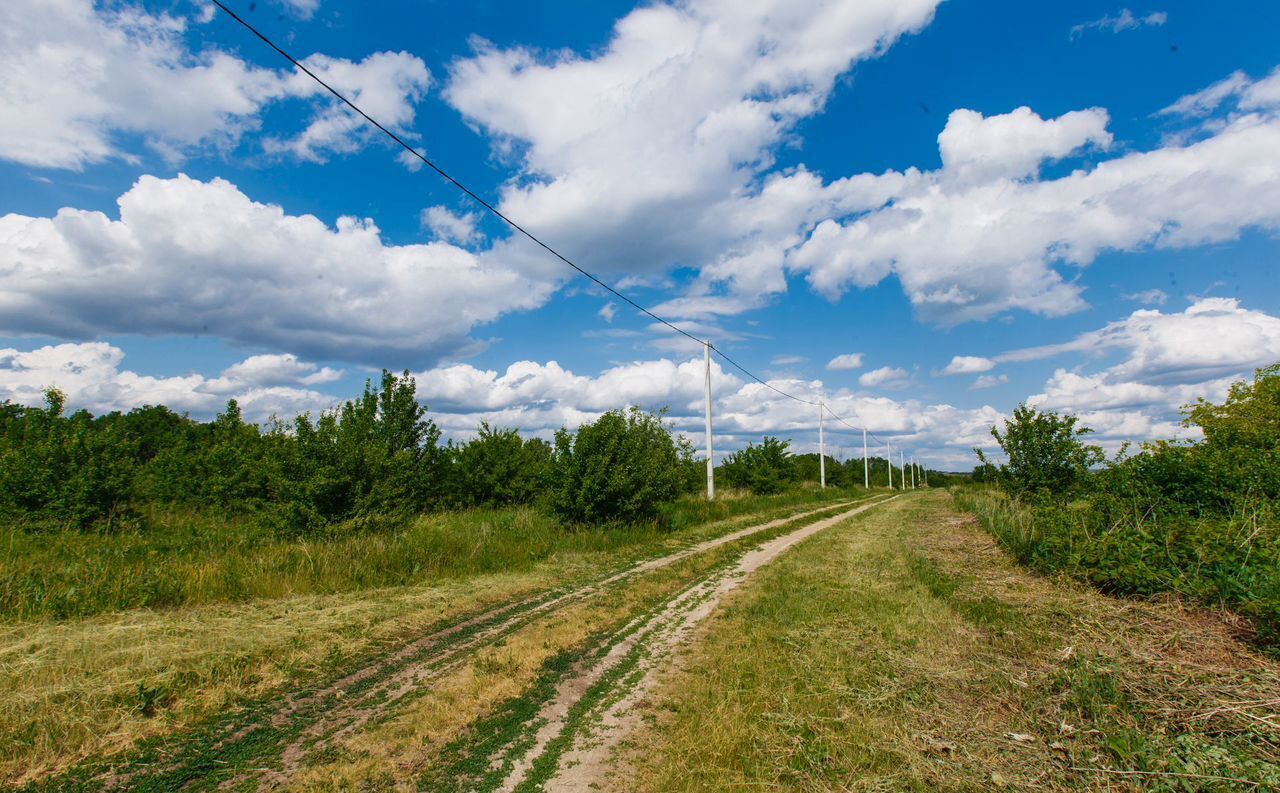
888,453
711,466
913,472
866,464
903,465
822,448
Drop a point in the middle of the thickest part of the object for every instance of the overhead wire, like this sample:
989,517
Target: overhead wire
513,224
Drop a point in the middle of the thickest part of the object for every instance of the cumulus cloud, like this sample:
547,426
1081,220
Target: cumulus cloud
91,376
989,381
1125,20
675,120
79,80
885,377
450,226
1213,338
193,257
539,398
972,244
845,362
968,364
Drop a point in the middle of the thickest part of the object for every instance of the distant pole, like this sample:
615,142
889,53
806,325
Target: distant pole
913,472
866,465
925,471
903,466
822,448
711,466
888,453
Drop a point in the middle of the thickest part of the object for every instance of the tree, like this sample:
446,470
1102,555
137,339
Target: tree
763,469
1047,459
499,467
622,466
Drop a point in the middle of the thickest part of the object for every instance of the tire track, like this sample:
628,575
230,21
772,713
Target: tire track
603,690
283,735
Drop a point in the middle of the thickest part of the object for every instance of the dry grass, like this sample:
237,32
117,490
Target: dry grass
403,747
96,686
906,652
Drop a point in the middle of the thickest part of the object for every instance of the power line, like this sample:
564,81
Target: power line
499,214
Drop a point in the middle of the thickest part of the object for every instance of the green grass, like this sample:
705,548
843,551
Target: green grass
904,652
187,558
1222,561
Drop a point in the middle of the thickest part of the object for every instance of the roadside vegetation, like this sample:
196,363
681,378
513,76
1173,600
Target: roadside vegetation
152,509
1198,518
906,652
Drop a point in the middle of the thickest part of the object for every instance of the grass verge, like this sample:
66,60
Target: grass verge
99,686
907,652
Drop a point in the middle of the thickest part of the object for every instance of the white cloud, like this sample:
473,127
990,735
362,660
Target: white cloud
989,381
975,148
303,9
450,226
787,360
845,362
1149,297
91,377
79,80
273,370
608,311
968,364
1248,95
966,250
1125,20
675,120
192,257
1213,338
539,398
884,377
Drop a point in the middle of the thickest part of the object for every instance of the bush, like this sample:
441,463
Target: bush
764,469
1047,459
622,467
499,468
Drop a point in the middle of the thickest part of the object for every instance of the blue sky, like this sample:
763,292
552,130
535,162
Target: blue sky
974,202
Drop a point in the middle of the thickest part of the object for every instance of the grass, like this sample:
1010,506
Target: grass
187,558
1226,561
907,652
99,685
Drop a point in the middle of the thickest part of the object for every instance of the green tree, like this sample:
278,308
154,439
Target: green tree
1046,457
498,467
764,469
622,466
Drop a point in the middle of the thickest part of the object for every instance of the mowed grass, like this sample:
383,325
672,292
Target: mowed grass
97,685
906,651
186,558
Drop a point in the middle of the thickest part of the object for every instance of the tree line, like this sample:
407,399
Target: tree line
1199,517
373,460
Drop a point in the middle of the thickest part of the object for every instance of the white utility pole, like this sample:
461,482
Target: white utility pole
711,466
822,448
903,465
866,464
888,452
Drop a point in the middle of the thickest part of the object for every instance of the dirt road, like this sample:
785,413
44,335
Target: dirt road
612,631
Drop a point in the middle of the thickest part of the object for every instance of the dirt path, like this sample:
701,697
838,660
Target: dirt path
593,708
278,738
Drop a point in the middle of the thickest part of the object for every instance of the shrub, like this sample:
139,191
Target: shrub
498,468
623,466
1047,459
763,469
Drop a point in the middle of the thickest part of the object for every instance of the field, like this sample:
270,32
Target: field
865,641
